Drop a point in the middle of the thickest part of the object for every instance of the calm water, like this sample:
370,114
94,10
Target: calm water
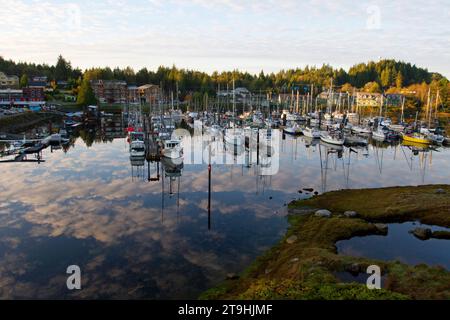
400,245
135,238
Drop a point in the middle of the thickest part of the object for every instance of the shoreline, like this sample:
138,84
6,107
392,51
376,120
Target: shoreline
304,264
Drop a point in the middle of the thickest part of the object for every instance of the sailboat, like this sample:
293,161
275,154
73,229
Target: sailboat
234,136
332,138
292,128
379,134
311,133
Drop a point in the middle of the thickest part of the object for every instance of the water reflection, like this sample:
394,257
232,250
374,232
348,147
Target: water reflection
142,229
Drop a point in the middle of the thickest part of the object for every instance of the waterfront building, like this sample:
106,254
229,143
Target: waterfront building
110,91
150,93
365,99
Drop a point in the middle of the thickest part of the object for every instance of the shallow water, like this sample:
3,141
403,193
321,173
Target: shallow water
400,245
134,238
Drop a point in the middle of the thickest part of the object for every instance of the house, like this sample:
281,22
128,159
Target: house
110,91
8,81
150,93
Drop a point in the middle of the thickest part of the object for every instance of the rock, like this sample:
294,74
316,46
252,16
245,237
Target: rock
441,235
440,191
422,233
301,211
291,239
232,276
350,214
383,228
323,213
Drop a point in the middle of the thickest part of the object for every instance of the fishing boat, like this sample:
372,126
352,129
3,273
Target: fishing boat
311,133
293,129
137,148
332,138
416,137
173,149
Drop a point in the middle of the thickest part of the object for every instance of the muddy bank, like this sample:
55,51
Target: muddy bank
23,121
304,264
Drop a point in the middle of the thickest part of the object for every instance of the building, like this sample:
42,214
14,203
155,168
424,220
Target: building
8,81
365,99
394,99
133,94
9,97
150,93
110,91
35,89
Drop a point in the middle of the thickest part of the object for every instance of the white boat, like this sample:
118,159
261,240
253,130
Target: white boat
397,127
311,133
335,139
379,134
359,129
385,122
293,129
173,149
137,149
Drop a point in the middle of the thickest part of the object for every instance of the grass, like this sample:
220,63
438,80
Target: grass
306,268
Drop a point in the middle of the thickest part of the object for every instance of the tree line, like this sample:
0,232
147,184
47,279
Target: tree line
382,76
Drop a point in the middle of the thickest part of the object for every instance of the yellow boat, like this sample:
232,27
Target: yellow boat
416,138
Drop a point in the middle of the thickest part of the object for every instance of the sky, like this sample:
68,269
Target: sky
210,35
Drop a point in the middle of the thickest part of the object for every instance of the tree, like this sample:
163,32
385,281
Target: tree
23,81
86,95
63,69
372,87
399,80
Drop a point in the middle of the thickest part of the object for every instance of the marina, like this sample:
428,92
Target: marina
132,202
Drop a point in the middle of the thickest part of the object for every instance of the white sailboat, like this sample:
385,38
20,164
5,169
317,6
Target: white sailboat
330,138
311,133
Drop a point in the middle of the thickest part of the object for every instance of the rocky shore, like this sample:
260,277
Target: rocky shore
305,263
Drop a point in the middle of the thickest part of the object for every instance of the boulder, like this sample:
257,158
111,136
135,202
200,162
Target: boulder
291,239
351,214
383,228
232,276
422,233
323,213
301,211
